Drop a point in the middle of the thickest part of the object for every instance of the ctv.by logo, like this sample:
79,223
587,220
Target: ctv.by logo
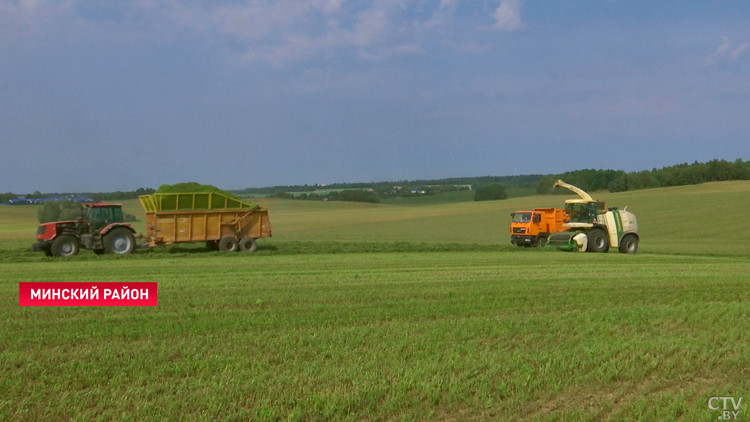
723,404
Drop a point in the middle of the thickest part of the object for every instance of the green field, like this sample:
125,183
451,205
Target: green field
396,312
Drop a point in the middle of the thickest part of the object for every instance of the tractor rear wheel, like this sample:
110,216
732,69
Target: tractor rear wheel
119,241
597,241
629,244
228,244
65,245
248,244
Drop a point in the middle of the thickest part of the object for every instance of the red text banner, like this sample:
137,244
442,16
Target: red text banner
87,294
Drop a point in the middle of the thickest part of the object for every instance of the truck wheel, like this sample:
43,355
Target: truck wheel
65,245
119,241
597,241
541,241
629,244
228,244
248,244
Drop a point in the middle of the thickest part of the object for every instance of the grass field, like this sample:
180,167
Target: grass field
358,312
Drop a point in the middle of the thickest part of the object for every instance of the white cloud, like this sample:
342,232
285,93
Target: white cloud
725,54
442,15
327,6
277,32
508,15
25,19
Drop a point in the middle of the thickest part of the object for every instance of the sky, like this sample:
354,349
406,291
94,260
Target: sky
99,95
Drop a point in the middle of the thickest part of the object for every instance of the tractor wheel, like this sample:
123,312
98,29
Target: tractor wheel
629,244
248,244
65,245
119,241
228,244
597,241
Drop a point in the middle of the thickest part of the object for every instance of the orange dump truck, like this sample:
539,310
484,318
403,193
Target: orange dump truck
531,228
224,223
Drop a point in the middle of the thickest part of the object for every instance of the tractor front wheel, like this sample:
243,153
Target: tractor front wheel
119,241
597,241
65,245
228,244
629,244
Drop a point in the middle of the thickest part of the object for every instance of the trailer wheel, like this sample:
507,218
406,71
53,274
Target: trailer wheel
629,244
119,241
65,245
597,241
228,244
248,244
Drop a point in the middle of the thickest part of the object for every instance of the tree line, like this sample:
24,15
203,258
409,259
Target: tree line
96,196
677,175
352,195
521,181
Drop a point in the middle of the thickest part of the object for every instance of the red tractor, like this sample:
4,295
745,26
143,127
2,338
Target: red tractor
102,230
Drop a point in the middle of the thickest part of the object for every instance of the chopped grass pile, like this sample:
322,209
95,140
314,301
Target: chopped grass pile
191,187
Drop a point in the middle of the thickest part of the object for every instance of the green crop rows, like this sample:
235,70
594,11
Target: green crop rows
359,312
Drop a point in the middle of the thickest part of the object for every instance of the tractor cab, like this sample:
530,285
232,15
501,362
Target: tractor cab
583,212
100,216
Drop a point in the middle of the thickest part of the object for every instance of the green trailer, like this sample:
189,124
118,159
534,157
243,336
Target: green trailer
223,222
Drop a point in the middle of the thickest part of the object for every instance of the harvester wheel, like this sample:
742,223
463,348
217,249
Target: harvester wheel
248,244
65,245
228,244
597,241
119,241
629,244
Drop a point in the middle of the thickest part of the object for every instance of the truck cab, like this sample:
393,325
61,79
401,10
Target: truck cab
531,228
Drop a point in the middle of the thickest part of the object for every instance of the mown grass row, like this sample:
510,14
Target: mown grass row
473,335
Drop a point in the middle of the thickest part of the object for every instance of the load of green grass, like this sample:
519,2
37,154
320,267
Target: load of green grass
199,199
194,187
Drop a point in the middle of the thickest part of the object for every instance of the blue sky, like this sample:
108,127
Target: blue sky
103,95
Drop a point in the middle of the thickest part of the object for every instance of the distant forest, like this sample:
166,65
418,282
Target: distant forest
529,180
678,175
97,196
591,180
